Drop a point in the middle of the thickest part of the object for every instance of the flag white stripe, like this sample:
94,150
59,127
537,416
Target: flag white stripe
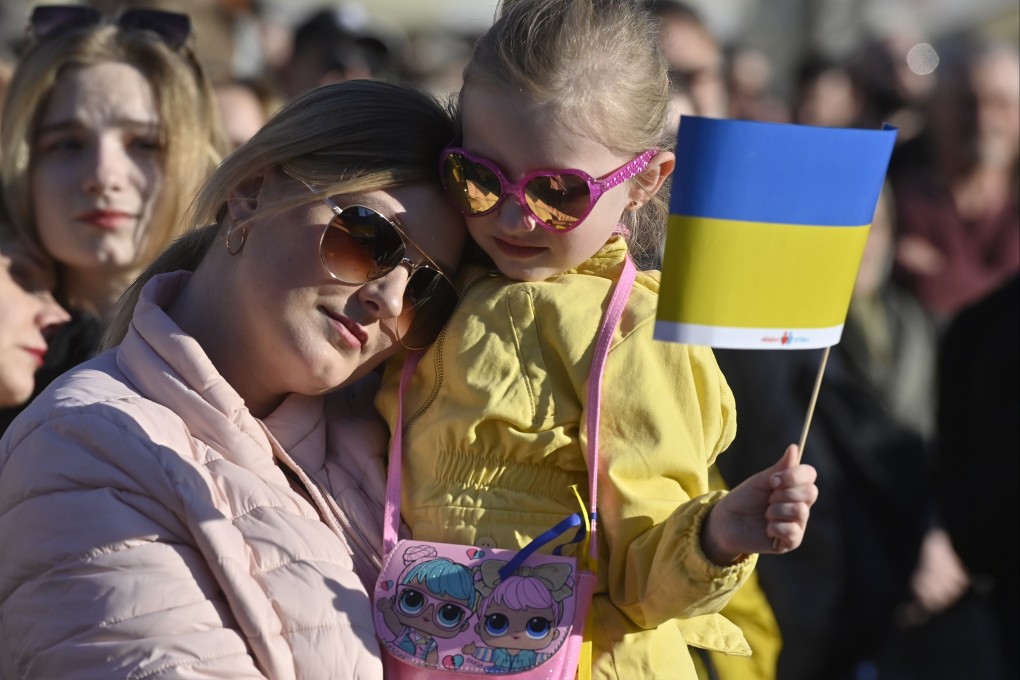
728,337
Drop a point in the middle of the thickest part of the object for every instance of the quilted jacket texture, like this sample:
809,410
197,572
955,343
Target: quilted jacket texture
151,527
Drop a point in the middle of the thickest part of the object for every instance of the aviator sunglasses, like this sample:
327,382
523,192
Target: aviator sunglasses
558,199
52,20
360,245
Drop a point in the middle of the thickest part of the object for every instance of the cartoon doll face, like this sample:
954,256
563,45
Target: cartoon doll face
441,617
528,628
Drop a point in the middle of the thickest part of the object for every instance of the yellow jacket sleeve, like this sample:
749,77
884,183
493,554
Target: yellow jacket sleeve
667,416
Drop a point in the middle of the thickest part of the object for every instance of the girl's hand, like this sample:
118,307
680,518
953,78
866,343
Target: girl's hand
766,513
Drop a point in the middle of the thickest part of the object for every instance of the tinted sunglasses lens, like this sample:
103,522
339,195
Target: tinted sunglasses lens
429,300
558,200
471,186
359,245
174,28
47,20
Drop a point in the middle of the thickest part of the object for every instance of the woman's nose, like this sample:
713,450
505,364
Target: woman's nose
107,168
385,296
50,313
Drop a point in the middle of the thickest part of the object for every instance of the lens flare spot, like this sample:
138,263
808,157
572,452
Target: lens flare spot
922,59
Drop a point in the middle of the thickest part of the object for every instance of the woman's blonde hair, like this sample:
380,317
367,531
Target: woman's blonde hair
190,130
351,137
596,65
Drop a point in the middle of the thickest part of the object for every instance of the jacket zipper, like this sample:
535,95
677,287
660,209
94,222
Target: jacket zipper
345,522
326,506
438,351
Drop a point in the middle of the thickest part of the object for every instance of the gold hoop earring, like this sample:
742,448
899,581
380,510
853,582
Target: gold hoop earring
234,249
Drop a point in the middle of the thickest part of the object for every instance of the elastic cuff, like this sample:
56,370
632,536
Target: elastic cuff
699,563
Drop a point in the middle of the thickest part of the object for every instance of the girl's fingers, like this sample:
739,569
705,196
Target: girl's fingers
788,512
798,475
796,494
788,459
785,535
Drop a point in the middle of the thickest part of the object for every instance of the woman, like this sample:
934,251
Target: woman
959,218
28,314
180,496
107,131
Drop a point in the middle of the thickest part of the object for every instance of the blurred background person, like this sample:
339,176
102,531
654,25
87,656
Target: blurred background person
28,316
435,60
693,54
332,45
889,341
244,105
826,93
108,127
960,217
750,84
680,104
889,68
979,454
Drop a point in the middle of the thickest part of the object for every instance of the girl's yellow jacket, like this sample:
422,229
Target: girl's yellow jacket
495,436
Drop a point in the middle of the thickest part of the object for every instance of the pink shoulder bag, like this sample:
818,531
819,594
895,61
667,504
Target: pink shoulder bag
445,610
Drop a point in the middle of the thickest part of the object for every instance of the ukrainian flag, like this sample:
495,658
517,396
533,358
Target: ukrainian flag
767,225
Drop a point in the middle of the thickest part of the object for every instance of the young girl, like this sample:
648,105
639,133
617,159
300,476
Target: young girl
561,156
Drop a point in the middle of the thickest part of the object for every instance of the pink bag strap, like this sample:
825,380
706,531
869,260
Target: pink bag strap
605,337
610,321
391,516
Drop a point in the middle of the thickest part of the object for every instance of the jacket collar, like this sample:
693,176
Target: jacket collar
155,349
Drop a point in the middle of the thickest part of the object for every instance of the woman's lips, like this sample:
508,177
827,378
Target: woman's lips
351,333
39,353
105,219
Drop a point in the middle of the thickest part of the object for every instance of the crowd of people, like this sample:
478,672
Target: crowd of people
196,408
946,235
897,545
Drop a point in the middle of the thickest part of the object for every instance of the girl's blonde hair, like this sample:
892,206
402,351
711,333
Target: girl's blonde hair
595,65
190,130
351,137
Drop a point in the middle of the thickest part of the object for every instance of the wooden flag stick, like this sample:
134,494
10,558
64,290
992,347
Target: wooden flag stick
811,404
807,418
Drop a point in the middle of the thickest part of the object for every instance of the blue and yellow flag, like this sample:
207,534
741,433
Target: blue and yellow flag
767,225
